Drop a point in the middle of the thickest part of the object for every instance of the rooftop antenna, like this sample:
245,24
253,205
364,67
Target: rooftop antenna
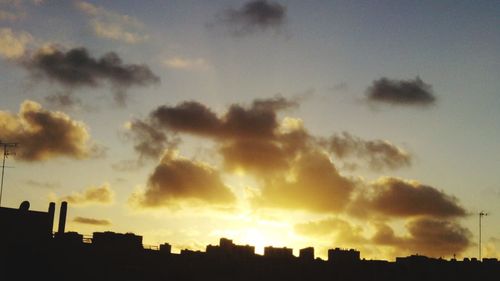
6,153
481,215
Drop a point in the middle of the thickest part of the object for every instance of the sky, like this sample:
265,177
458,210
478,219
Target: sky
371,125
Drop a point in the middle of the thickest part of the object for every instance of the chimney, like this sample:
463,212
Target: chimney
62,217
52,210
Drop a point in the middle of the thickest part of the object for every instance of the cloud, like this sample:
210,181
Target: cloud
257,121
379,154
177,179
13,45
150,141
187,117
44,134
186,63
395,197
314,184
102,194
293,168
254,155
92,221
401,92
75,68
426,236
253,16
251,138
112,25
243,132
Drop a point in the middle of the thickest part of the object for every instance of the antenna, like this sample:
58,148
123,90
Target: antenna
6,153
481,215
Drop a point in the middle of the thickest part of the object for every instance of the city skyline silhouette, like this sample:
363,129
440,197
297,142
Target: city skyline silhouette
31,249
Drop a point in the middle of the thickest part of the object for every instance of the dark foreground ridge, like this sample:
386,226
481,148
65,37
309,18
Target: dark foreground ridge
30,251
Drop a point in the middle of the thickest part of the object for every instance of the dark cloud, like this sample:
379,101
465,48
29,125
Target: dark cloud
426,236
401,92
257,121
44,134
150,141
77,68
92,195
238,131
188,117
177,179
398,198
253,16
379,154
92,221
255,156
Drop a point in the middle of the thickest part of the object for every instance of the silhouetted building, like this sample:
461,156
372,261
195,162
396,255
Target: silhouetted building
165,248
338,255
69,239
307,253
490,260
272,252
414,259
24,227
116,241
228,249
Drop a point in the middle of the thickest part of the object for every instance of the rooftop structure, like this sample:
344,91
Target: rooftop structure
338,255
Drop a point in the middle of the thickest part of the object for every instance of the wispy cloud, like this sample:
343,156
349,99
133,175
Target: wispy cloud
102,194
112,25
183,63
379,154
92,221
43,184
